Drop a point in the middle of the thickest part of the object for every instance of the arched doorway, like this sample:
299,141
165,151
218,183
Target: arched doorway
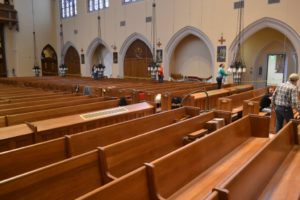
137,59
72,62
49,61
263,51
262,41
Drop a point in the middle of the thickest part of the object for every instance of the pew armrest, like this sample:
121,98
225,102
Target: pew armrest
198,134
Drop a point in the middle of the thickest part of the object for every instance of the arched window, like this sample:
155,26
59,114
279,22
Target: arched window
94,5
68,8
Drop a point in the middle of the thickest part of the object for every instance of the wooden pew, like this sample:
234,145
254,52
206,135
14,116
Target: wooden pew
275,167
133,185
16,136
63,180
234,103
199,99
167,96
37,107
57,99
201,165
31,99
14,119
122,157
28,158
252,106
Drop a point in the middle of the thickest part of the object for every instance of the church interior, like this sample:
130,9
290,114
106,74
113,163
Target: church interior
149,99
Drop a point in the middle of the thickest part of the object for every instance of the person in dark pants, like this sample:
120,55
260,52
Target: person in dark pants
220,76
285,98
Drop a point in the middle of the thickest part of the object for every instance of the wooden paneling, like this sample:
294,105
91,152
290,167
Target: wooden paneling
137,59
72,61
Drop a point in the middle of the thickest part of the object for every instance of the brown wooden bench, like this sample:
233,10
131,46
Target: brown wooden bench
57,98
166,97
234,103
21,135
194,170
133,185
63,180
175,174
50,105
14,119
25,159
31,99
200,99
127,155
273,173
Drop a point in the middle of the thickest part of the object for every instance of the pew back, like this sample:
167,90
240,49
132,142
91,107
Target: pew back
133,185
28,158
209,150
64,180
127,155
242,185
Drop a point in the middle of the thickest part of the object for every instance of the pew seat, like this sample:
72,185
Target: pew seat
273,173
201,186
285,183
201,165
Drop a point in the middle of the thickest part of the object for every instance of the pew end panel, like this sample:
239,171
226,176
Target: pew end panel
250,107
259,126
133,185
224,104
224,114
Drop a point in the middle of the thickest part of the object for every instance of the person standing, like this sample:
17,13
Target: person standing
160,73
285,98
220,76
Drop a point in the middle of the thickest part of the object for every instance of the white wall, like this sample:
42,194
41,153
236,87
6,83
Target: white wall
19,45
258,46
212,17
191,58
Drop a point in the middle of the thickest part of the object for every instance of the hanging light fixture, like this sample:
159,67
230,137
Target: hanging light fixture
36,68
98,69
153,66
238,66
62,68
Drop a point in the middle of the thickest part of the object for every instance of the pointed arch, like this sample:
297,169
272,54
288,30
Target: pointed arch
129,40
107,56
49,61
67,45
267,22
179,36
71,59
